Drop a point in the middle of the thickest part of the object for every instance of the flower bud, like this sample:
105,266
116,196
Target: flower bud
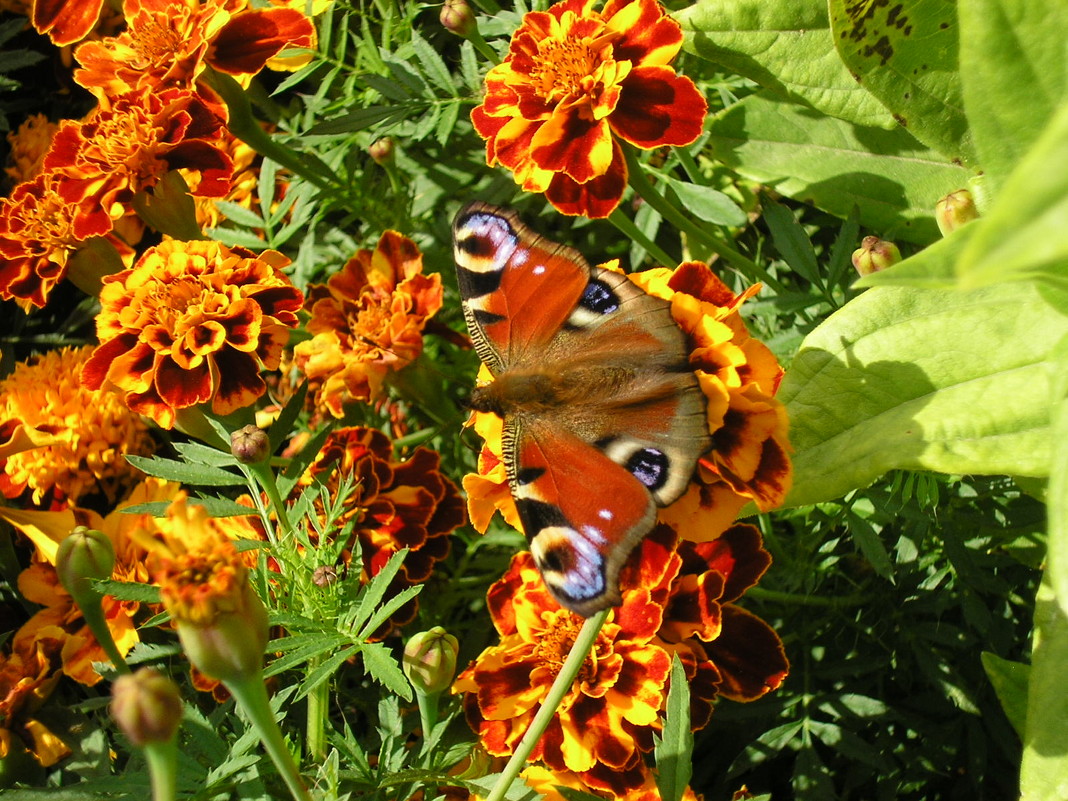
250,445
230,645
381,150
955,209
875,254
324,576
85,554
430,660
146,706
457,17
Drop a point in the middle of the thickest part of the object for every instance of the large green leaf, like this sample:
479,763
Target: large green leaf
905,53
891,178
1025,234
1012,60
784,47
901,377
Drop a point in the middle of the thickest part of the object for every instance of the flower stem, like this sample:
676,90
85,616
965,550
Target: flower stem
92,610
315,729
564,679
627,227
265,478
667,210
162,759
251,695
482,46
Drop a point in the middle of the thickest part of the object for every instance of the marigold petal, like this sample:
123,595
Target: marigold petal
566,143
749,654
180,387
65,22
658,107
250,39
597,198
649,37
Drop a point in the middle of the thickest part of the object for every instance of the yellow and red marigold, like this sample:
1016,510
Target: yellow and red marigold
192,322
367,321
61,442
29,143
391,505
749,459
129,143
575,82
674,601
169,43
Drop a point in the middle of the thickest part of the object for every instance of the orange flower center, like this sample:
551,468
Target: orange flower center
197,587
50,222
571,67
156,42
556,639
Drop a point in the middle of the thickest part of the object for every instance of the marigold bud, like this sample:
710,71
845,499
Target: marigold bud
84,555
229,646
954,210
430,660
875,254
147,706
250,445
457,17
324,575
381,150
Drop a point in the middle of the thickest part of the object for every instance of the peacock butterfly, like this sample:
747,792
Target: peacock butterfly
603,417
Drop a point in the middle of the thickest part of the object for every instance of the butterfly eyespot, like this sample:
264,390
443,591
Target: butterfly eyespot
650,467
599,298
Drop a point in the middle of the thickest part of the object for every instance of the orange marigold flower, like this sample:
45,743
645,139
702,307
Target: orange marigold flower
60,620
39,233
27,678
576,81
66,23
130,143
60,442
192,322
674,601
749,459
29,143
169,43
391,505
366,321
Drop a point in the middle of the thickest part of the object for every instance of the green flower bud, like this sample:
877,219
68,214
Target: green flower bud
456,17
146,706
954,210
250,445
84,555
381,150
430,660
875,254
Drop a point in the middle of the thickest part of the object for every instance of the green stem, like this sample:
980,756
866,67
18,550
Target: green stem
244,125
648,193
318,709
482,46
264,476
90,604
428,711
627,227
162,761
564,679
251,695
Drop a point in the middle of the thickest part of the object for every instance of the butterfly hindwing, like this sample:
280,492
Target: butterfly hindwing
603,417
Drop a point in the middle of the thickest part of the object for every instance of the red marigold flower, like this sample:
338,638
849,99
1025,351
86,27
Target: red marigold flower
129,145
27,678
39,234
574,82
676,600
192,322
366,321
61,442
392,505
169,43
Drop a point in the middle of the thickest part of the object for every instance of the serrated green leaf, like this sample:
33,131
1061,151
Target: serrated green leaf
129,591
217,507
18,59
238,214
324,671
432,65
447,121
198,453
905,54
383,613
375,590
1010,50
707,204
571,794
386,87
891,178
950,381
673,747
469,66
517,790
383,668
184,472
786,48
871,545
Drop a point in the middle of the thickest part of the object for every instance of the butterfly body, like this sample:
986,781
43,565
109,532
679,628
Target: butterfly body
603,417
